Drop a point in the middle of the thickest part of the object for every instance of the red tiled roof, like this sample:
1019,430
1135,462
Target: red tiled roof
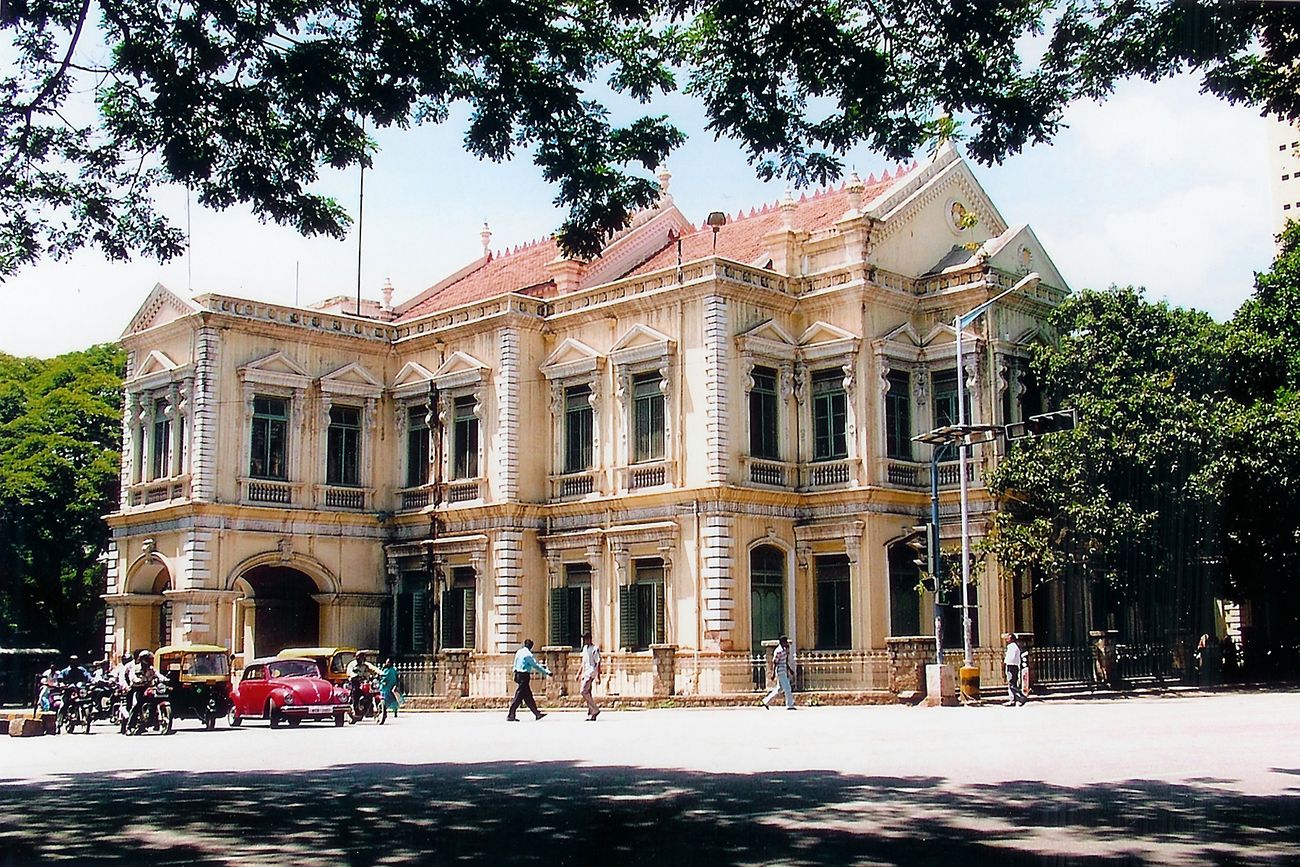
742,238
523,269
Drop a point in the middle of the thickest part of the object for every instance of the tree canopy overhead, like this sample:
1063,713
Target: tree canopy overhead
245,101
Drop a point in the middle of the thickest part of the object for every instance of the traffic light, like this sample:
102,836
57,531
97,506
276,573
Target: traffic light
922,542
1043,423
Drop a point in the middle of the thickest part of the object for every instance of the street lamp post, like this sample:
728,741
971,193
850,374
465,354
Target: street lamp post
959,324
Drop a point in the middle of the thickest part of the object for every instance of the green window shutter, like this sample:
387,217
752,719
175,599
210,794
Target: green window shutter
420,621
445,617
627,617
586,610
469,617
559,616
660,637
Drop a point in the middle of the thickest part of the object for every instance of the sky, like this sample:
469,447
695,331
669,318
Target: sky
1160,186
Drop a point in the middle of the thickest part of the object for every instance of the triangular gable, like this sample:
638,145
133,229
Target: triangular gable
639,243
824,340
275,369
160,307
571,358
460,369
353,379
904,334
944,333
767,339
412,380
155,362
640,335
1018,251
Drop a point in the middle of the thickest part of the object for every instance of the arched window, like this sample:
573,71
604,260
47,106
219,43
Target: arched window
904,601
767,594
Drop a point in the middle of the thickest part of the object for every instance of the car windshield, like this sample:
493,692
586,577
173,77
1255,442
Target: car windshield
294,668
204,664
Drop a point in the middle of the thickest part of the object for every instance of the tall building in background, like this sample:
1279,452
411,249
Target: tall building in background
1284,176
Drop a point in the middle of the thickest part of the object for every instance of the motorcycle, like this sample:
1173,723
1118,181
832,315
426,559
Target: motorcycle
104,702
368,702
153,712
73,709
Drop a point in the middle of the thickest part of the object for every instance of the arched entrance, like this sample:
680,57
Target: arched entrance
766,595
284,612
904,600
147,618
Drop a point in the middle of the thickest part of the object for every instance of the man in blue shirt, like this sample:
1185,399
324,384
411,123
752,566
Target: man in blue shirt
525,664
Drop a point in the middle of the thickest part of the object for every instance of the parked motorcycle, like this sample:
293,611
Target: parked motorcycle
153,712
104,702
369,703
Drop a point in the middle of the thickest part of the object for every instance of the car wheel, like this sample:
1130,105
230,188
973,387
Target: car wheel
233,719
339,719
273,715
293,722
210,721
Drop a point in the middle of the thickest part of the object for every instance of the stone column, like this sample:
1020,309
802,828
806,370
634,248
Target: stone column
665,669
456,664
557,660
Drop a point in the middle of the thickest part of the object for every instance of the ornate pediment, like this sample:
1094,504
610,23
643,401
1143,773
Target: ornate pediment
904,334
275,369
353,379
155,362
160,307
824,340
1018,251
411,381
571,358
766,339
641,343
459,370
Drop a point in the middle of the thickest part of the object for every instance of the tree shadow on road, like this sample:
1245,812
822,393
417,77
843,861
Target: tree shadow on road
568,813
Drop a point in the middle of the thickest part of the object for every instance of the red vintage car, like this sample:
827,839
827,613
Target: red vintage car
286,691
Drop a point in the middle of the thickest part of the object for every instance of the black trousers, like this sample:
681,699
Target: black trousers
523,694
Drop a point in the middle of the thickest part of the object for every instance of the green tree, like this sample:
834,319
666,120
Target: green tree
1127,502
245,102
60,430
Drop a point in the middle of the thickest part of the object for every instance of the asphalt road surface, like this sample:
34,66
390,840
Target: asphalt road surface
1175,779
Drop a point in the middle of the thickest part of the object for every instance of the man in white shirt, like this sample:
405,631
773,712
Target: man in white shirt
589,674
1013,660
783,671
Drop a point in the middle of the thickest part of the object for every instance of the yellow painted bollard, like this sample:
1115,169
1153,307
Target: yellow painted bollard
969,677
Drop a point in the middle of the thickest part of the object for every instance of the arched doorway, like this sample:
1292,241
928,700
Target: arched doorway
766,595
285,614
147,621
904,600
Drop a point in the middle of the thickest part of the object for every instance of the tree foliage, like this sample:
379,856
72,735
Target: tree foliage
60,430
1180,482
245,102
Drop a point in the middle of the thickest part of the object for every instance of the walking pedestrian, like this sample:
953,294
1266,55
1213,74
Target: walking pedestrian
388,686
590,674
783,671
525,664
1013,660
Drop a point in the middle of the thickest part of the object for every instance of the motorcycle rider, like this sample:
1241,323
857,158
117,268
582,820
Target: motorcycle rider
142,676
74,673
359,669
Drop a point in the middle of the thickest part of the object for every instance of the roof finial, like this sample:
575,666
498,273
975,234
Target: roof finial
664,177
854,188
486,237
387,292
787,210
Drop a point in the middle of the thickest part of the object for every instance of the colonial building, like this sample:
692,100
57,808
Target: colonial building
700,439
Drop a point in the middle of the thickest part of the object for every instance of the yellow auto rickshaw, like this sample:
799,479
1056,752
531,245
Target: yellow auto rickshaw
333,661
199,677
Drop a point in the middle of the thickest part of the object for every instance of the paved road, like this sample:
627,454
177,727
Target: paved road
1172,780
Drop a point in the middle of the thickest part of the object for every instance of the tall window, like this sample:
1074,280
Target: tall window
413,633
950,611
417,447
945,398
766,594
270,438
343,447
577,428
904,600
898,416
648,417
1032,400
763,414
571,606
641,606
830,406
162,440
465,439
832,601
458,609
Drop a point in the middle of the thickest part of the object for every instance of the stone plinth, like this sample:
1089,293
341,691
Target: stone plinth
556,659
908,657
456,664
665,669
940,686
